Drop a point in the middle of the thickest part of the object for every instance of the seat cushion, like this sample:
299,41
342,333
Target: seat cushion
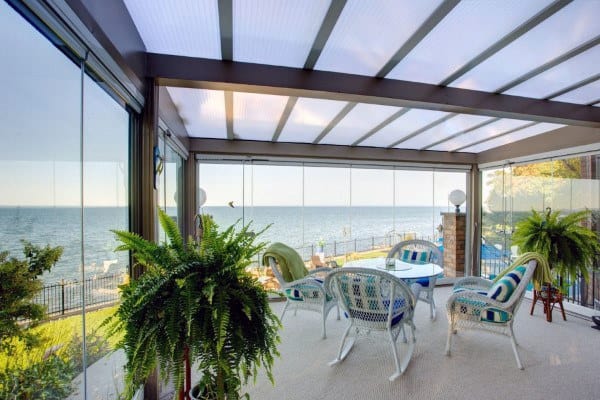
413,256
306,292
502,289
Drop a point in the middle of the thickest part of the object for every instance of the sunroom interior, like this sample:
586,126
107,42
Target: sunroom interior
136,105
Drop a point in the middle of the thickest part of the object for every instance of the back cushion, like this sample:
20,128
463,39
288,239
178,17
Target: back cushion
413,256
505,286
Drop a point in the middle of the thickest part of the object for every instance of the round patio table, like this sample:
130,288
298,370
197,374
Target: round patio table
400,269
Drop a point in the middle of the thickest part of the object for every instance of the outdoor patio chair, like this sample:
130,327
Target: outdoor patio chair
479,303
417,251
374,301
307,293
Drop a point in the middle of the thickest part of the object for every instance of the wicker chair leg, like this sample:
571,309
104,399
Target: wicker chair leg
512,334
514,347
431,305
324,328
343,350
287,303
337,306
450,333
395,353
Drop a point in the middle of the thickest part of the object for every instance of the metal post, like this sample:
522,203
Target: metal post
62,296
335,248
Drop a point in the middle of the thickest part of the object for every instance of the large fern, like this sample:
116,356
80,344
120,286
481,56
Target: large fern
196,298
569,246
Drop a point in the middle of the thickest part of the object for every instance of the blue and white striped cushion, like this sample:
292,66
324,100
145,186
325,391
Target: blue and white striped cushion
505,286
413,256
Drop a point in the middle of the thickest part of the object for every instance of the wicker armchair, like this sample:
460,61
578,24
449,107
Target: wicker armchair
374,301
477,304
307,293
411,251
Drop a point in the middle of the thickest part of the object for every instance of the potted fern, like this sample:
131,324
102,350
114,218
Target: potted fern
195,305
569,246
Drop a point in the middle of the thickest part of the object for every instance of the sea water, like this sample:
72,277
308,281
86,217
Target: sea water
343,229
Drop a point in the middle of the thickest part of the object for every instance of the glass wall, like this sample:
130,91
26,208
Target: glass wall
64,182
511,192
169,183
329,210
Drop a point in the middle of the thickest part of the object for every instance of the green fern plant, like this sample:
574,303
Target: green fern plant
569,246
195,304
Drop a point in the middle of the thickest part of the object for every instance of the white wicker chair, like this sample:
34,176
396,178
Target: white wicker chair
426,285
374,301
471,308
307,293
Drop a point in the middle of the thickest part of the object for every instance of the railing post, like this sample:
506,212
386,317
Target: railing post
334,248
372,242
355,245
62,296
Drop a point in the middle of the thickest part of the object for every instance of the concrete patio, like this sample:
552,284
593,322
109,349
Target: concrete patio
560,360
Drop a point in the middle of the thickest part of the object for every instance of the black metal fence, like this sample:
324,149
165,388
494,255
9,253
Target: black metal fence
65,296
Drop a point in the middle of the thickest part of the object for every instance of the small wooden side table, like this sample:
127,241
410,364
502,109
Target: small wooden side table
549,297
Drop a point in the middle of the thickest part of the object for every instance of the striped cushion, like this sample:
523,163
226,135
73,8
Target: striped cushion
413,256
505,286
306,291
477,309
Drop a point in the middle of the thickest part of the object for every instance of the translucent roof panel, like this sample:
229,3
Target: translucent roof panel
513,137
368,33
441,131
482,133
308,119
179,27
583,95
276,32
359,121
405,125
255,116
202,111
563,75
548,40
446,42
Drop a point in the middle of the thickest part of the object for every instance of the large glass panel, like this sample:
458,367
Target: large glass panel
181,27
491,19
276,32
359,121
255,116
308,119
513,137
414,210
202,111
550,39
368,33
169,185
224,188
584,95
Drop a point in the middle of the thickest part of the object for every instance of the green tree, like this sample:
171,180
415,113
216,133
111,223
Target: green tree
19,284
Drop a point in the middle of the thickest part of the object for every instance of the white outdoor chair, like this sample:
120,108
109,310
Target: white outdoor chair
307,293
374,301
417,251
478,303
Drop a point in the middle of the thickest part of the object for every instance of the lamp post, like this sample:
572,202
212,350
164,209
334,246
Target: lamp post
457,197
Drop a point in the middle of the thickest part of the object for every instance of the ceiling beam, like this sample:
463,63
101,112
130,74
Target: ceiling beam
574,86
226,28
331,18
518,128
326,152
480,125
557,141
438,14
289,106
381,125
192,72
422,129
229,114
507,39
340,116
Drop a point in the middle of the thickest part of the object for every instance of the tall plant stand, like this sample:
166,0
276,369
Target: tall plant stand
549,296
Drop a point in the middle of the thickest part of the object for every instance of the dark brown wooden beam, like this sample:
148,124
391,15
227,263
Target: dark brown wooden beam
326,152
170,116
245,77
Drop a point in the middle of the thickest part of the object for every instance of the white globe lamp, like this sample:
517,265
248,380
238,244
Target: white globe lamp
457,197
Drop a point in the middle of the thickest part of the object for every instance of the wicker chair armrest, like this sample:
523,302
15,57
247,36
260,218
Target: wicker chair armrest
320,272
476,297
474,281
304,283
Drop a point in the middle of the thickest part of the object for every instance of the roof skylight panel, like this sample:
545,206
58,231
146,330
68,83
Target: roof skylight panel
513,137
368,33
583,95
410,122
178,27
255,116
359,121
568,28
444,50
563,75
443,130
276,32
308,119
482,133
202,111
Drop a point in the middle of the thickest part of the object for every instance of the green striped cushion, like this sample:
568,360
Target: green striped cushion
505,286
413,256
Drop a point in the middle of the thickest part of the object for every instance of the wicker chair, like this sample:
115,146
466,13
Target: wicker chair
410,251
373,301
476,304
307,293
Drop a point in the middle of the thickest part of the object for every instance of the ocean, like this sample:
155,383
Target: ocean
343,229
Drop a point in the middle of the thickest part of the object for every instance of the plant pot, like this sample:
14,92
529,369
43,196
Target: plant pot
198,392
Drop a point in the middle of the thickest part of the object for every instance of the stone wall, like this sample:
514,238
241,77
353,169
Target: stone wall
454,244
